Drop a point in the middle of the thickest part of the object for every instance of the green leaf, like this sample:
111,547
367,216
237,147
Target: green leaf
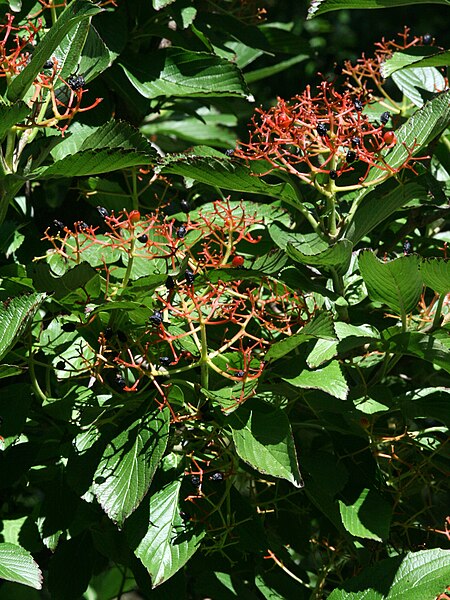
425,346
411,81
183,73
421,56
436,274
423,575
263,438
378,206
69,50
275,69
15,315
320,327
330,379
12,115
396,283
129,463
74,13
17,564
74,279
314,251
168,543
369,516
319,7
418,131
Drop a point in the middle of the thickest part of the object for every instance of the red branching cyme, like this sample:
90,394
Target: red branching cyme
326,133
365,74
199,315
15,45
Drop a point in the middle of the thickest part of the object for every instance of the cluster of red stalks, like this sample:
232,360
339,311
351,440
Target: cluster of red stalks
327,130
54,101
206,309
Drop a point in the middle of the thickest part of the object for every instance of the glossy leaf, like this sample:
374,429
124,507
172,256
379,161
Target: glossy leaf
17,564
319,7
330,379
128,465
422,345
166,543
436,274
423,574
315,252
419,57
369,516
12,115
219,171
183,73
412,81
320,327
263,439
376,207
396,283
15,314
74,13
74,279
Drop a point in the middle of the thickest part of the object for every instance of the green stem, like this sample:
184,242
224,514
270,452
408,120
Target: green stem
438,313
339,288
9,152
53,12
34,382
134,191
126,278
204,369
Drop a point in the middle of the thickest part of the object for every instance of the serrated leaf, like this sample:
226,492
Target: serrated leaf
183,73
396,283
316,252
436,274
369,516
166,543
263,438
12,115
330,379
319,7
128,465
17,564
424,346
74,279
74,13
320,327
376,207
92,162
411,81
69,50
421,56
219,171
423,575
15,315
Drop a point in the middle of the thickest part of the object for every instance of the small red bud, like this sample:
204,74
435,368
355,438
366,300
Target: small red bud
389,138
134,216
237,262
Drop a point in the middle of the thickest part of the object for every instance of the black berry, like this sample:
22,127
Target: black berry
103,212
218,476
48,64
229,152
356,141
407,247
333,175
351,156
358,104
156,318
240,374
184,516
338,69
185,206
427,39
69,326
189,275
165,361
82,225
170,283
322,129
181,232
58,224
76,82
195,480
143,238
120,381
384,117
108,333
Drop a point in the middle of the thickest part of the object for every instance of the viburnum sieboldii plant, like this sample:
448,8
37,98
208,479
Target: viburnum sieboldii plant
208,316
